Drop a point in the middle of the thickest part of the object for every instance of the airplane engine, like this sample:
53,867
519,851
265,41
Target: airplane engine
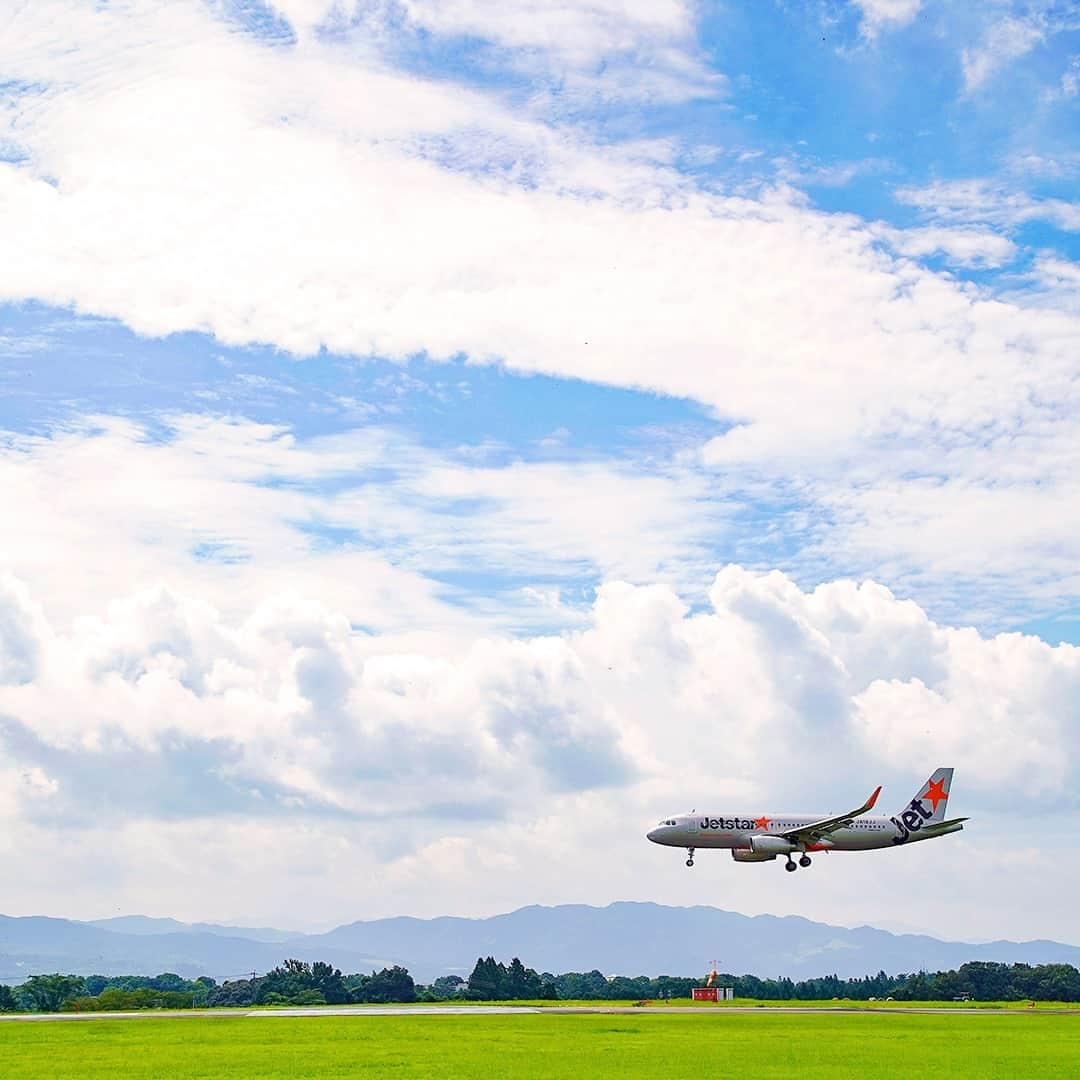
743,855
771,845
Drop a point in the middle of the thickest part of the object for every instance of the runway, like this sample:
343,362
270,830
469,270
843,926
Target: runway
361,1011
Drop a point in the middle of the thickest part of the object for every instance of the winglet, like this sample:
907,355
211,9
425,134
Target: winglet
873,799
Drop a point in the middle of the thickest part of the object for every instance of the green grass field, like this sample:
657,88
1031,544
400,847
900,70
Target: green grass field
547,1046
744,1003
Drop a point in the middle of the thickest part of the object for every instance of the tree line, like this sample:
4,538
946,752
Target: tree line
979,980
299,983
291,983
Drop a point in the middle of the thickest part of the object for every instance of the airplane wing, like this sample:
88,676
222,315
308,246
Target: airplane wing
812,833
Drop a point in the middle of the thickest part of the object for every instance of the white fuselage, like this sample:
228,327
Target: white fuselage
737,831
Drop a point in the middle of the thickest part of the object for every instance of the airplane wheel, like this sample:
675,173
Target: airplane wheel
789,866
805,860
689,862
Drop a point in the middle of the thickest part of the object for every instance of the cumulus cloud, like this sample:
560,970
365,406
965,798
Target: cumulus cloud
423,761
19,633
289,710
285,713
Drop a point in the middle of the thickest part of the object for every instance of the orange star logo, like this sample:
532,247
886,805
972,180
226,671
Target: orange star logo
762,822
935,793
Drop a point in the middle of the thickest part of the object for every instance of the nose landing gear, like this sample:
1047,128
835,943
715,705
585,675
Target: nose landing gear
690,853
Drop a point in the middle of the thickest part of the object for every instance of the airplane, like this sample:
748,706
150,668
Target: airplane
761,837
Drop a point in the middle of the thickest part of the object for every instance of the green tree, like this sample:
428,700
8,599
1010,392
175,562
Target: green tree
390,984
669,986
239,993
287,980
356,985
487,981
581,986
48,993
446,986
7,1000
308,997
918,987
328,981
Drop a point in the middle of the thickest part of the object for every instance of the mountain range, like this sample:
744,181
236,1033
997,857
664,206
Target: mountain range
623,938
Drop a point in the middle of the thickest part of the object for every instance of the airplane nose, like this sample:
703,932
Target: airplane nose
652,834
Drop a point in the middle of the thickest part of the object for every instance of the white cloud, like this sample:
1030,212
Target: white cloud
580,32
998,541
280,733
981,200
1070,79
881,14
229,508
372,523
19,633
961,246
286,201
597,49
605,48
1056,283
1014,30
1004,41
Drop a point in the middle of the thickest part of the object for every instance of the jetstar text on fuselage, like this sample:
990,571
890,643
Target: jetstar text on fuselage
729,823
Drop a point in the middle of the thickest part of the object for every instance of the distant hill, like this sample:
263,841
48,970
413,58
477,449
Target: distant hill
35,944
142,925
624,938
640,938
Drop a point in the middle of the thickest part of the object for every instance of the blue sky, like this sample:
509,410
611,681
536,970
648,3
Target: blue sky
437,401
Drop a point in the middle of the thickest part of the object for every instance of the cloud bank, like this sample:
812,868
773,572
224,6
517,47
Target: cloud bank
160,709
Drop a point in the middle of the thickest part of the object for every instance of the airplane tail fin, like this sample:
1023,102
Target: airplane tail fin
932,798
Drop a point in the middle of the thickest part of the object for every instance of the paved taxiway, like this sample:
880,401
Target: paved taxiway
518,1010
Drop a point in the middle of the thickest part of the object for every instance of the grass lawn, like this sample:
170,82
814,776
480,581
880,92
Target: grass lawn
743,1003
546,1046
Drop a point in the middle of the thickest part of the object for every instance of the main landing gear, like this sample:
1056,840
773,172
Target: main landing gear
804,862
690,853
